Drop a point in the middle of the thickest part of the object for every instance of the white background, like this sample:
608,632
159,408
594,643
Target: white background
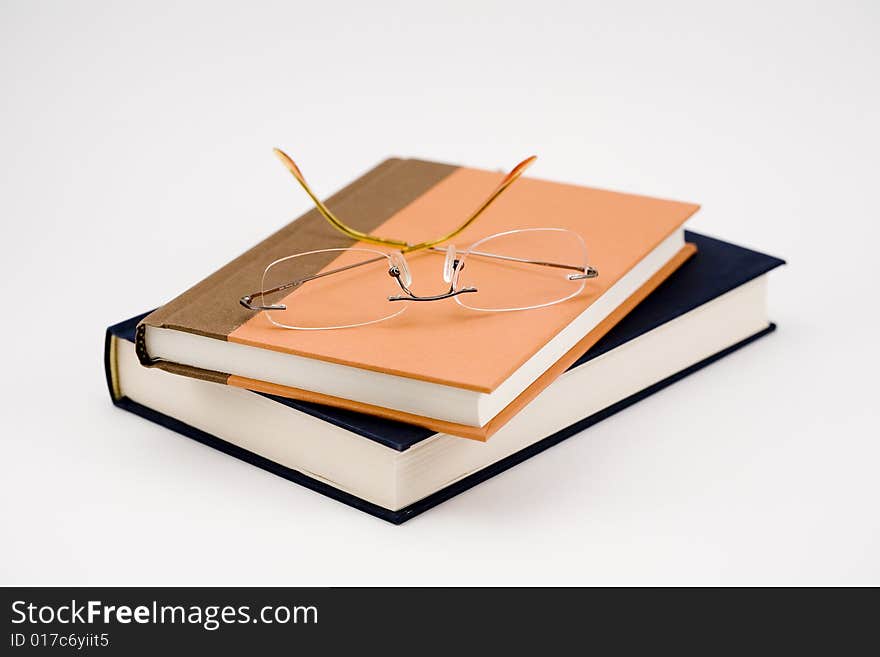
136,159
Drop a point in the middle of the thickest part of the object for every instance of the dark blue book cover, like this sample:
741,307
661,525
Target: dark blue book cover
717,268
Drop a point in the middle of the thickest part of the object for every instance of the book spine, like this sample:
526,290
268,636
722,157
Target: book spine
140,346
110,365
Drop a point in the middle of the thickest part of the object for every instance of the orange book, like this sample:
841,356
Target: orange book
438,365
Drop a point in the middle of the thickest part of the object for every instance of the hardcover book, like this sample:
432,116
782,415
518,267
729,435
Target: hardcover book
438,366
713,305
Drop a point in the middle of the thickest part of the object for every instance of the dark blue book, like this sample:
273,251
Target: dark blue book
712,306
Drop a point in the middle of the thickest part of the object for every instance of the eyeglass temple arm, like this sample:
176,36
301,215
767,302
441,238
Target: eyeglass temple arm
288,162
586,272
247,300
339,225
508,180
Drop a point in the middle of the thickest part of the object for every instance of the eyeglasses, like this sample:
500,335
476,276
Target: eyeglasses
347,287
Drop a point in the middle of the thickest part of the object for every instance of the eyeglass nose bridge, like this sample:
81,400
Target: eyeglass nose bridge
457,266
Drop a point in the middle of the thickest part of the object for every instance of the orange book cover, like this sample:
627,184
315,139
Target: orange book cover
439,342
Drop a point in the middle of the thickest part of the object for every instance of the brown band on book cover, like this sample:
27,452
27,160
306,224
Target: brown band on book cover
365,204
508,412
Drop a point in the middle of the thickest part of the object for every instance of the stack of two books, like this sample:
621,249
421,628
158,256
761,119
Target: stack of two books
395,417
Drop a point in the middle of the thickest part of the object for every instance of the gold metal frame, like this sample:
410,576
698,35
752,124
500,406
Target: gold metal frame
355,234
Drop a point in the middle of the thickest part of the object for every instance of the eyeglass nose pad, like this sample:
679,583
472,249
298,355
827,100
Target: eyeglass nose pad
449,264
399,261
